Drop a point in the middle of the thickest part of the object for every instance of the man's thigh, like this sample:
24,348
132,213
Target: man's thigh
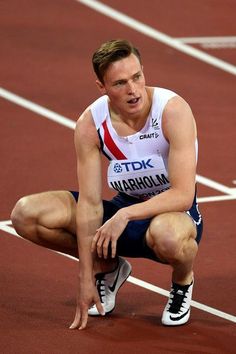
53,209
135,240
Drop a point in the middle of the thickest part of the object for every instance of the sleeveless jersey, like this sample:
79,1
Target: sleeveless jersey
138,162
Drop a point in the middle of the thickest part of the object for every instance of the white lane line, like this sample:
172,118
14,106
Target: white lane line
201,40
211,42
36,108
215,185
216,198
195,304
220,45
6,228
157,35
71,124
9,229
5,222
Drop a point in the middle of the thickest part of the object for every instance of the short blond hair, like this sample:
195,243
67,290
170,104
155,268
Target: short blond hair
110,52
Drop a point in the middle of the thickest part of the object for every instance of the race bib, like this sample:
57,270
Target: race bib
144,177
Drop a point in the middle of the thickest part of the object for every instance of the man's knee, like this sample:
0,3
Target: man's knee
22,215
165,238
34,214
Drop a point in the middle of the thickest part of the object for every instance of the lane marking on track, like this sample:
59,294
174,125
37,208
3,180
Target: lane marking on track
211,42
36,108
5,226
215,185
216,198
159,36
57,118
197,40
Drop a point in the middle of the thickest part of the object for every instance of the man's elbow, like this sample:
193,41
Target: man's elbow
187,200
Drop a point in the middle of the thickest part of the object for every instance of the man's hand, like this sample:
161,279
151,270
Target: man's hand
87,297
109,233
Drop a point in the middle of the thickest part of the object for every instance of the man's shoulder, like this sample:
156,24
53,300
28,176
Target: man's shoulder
85,130
99,102
163,91
177,104
85,137
99,110
161,96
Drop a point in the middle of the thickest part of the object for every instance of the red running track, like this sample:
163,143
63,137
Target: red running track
45,57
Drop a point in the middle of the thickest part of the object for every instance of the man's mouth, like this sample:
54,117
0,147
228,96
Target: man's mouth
134,100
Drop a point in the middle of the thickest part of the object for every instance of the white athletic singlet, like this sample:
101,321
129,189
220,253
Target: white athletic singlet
138,162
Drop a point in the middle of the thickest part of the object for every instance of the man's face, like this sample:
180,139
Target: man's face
124,83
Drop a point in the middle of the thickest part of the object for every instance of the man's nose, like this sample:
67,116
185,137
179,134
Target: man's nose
131,87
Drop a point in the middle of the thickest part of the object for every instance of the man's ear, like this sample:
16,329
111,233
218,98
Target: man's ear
101,87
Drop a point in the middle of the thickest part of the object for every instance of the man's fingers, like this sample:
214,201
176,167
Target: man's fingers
76,322
97,244
84,319
99,248
105,248
113,248
100,243
74,325
100,308
81,319
94,242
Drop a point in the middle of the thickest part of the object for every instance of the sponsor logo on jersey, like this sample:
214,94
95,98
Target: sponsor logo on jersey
132,166
155,124
148,136
117,168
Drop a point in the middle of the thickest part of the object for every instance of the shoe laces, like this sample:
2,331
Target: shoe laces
177,296
100,285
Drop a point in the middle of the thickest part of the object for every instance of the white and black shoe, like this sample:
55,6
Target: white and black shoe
177,310
108,285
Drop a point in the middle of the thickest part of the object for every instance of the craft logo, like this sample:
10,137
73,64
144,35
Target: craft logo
149,136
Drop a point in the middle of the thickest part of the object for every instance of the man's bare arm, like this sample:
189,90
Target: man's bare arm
89,213
180,131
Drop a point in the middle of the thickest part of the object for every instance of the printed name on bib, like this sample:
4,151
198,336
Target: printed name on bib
144,177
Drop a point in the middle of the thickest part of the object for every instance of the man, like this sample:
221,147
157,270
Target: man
149,136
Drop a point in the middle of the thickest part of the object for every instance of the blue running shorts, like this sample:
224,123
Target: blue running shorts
132,242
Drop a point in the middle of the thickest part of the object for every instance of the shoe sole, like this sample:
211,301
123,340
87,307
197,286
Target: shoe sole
175,324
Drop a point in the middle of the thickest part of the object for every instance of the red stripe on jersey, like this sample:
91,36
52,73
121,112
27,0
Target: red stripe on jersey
109,142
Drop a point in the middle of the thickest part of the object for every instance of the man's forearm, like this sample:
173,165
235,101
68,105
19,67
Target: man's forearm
168,201
88,220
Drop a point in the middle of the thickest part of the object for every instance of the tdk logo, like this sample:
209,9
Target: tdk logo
132,166
117,168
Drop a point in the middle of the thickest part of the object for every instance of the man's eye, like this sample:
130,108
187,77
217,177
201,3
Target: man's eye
137,77
119,83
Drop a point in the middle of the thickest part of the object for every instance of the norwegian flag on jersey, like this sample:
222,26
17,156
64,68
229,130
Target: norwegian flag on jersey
108,146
